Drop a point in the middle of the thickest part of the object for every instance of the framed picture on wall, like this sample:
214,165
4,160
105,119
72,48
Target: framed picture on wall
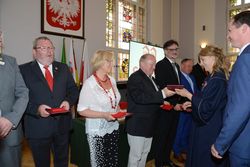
63,18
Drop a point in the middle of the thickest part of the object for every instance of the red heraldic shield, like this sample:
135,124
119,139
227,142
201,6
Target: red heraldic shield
64,14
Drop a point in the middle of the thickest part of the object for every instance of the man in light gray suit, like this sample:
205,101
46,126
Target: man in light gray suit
13,102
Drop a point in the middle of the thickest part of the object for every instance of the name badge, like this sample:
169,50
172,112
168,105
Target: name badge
2,63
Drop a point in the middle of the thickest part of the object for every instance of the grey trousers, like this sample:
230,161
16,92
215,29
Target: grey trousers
139,149
10,156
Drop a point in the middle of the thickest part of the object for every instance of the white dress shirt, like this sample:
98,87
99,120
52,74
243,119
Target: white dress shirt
43,69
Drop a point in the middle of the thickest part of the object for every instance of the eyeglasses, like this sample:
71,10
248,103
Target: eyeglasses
44,48
176,49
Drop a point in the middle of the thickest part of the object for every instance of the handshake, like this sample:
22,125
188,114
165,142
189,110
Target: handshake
171,90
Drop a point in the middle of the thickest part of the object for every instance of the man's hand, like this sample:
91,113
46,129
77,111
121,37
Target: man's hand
177,107
186,104
65,105
215,152
5,127
42,110
168,92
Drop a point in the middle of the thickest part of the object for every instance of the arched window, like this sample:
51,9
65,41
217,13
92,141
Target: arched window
125,21
235,7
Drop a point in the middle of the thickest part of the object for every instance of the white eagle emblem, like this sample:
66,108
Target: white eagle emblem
65,10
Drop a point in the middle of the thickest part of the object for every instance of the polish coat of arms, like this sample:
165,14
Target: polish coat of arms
64,14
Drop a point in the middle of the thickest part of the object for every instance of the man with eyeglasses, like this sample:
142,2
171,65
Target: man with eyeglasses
167,72
50,85
13,101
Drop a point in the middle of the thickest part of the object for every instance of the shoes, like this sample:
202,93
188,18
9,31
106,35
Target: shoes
184,156
170,164
179,158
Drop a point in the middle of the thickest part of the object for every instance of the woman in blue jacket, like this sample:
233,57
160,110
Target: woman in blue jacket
207,109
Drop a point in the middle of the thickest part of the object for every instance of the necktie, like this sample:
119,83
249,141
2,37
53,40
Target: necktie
156,88
48,77
176,71
190,82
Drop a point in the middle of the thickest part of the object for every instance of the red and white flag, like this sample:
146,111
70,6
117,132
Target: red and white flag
72,62
81,77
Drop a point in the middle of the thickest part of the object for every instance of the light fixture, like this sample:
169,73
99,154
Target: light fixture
203,45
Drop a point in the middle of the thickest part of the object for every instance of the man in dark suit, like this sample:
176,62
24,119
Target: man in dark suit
44,131
167,73
235,133
144,100
13,102
185,120
199,74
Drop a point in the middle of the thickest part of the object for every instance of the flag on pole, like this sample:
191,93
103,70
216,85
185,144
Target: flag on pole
63,58
1,42
72,62
84,54
1,47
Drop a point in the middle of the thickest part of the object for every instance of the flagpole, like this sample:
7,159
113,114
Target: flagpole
82,64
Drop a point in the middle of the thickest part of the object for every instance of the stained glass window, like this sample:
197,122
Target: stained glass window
235,2
125,21
235,7
141,21
110,23
123,59
233,12
247,1
113,72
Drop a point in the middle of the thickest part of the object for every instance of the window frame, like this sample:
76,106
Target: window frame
116,50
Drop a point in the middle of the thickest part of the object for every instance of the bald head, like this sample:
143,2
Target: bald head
147,64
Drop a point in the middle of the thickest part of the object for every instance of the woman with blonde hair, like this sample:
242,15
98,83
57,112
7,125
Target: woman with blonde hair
207,109
98,100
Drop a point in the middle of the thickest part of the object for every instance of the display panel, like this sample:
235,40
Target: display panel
137,49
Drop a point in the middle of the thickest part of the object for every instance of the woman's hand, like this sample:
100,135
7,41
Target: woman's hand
184,93
178,107
186,105
108,116
166,103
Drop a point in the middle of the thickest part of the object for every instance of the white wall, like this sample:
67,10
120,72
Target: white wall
155,12
166,19
20,22
186,30
221,24
204,16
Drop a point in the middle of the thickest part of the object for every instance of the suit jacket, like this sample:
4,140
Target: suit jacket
199,75
64,89
13,98
186,84
165,75
235,133
144,102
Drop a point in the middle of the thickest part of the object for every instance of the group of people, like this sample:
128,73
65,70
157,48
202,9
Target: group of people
33,88
219,117
216,130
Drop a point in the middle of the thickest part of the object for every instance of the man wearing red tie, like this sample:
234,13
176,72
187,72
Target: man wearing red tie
51,86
